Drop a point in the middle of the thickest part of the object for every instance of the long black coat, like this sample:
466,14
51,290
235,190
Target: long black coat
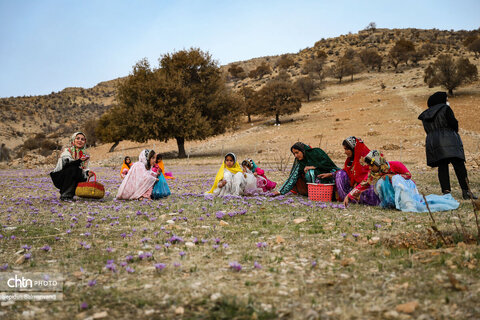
443,140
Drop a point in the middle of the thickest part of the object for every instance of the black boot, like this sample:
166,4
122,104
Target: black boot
467,195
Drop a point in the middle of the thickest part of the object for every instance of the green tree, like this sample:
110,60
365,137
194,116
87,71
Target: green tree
113,126
185,98
449,73
278,97
316,66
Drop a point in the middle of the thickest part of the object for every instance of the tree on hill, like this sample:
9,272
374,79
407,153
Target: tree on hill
278,97
372,26
474,46
307,86
316,66
449,73
113,126
237,72
285,62
347,65
370,58
260,71
184,98
401,52
250,101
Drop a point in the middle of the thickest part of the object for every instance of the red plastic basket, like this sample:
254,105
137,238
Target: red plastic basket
320,192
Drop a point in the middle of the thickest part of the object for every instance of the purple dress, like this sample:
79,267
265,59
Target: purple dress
342,182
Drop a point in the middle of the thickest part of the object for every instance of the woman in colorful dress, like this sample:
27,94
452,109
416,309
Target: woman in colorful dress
262,181
161,167
309,163
395,188
353,172
72,167
139,181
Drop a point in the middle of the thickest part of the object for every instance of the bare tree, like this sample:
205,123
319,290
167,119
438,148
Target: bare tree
449,73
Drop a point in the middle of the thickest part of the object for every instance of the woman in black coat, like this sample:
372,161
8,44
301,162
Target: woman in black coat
443,144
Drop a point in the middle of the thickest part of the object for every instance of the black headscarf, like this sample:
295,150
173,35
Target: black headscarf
437,98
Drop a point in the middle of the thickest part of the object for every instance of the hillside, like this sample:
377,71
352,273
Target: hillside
59,114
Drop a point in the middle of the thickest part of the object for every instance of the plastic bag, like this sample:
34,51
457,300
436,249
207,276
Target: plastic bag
160,188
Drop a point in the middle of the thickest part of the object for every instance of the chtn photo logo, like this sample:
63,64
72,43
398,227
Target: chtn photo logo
17,282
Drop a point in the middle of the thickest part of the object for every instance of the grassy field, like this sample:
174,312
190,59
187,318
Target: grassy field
258,257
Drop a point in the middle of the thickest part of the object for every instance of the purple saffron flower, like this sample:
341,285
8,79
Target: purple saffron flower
130,269
257,265
225,245
109,249
26,247
28,256
177,264
314,263
160,266
84,306
182,253
91,283
344,234
378,226
46,248
215,246
355,235
235,266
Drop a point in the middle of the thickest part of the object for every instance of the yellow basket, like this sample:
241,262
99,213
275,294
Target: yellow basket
92,190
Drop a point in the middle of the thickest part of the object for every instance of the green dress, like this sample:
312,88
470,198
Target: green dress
315,157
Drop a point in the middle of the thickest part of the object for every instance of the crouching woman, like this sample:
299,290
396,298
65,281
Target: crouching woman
72,167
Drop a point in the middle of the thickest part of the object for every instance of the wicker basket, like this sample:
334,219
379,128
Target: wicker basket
92,190
320,192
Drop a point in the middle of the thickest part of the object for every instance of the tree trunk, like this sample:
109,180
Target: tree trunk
114,146
249,119
450,92
277,118
181,147
351,80
308,97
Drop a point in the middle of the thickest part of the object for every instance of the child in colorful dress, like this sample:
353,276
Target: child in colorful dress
262,181
159,164
127,163
139,181
229,179
253,183
395,188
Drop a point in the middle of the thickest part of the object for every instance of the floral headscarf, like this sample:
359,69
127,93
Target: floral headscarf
374,157
351,142
78,153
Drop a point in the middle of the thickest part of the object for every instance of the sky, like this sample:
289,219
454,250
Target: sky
48,45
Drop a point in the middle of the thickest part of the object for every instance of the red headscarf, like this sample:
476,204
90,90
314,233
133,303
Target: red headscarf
356,172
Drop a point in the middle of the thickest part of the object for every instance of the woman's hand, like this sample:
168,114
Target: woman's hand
90,173
309,168
345,201
85,157
255,174
222,183
275,193
325,175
